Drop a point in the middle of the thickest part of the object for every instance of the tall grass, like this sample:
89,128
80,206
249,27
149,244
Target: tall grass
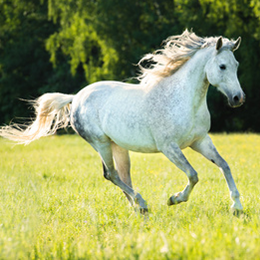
55,204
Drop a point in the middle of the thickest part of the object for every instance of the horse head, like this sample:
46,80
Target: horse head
221,71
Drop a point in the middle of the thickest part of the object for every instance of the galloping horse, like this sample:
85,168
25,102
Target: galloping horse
166,112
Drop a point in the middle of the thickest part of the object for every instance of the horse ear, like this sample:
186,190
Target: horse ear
236,44
219,43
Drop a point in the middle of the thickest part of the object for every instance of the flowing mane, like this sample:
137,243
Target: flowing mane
177,50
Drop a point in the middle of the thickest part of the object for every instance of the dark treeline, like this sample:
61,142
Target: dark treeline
62,46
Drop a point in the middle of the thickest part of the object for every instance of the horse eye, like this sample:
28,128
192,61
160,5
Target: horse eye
222,67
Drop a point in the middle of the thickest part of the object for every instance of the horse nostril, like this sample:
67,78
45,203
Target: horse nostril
238,100
235,99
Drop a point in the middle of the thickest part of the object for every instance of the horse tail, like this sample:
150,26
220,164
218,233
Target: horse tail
52,112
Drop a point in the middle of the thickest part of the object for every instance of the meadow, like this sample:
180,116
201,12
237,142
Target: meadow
55,204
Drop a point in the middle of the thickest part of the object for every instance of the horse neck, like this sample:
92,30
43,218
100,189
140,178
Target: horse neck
192,77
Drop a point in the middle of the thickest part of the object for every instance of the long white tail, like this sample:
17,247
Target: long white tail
52,112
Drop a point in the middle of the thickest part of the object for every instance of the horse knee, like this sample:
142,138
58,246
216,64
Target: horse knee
106,176
194,178
113,177
235,194
223,165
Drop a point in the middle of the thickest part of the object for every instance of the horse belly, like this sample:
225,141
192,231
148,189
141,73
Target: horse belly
131,135
136,143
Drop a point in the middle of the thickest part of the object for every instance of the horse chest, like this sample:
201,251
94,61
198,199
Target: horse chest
197,127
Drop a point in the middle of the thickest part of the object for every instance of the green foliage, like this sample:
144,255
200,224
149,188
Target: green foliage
55,204
80,41
64,45
107,36
25,69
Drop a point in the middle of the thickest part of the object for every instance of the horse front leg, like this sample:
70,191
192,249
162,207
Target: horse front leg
175,155
207,149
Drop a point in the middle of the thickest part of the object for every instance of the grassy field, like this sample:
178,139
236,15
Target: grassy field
55,204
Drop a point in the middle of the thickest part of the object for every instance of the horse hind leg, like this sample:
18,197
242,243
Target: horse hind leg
105,172
122,162
110,173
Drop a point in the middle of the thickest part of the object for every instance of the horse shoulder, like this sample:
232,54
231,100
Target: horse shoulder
200,127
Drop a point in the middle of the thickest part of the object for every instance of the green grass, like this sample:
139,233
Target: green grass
55,204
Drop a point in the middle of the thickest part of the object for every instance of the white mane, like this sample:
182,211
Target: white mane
177,50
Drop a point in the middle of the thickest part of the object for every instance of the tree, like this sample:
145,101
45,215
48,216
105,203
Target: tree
25,69
107,37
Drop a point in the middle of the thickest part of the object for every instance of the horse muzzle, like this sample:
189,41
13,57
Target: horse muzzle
237,100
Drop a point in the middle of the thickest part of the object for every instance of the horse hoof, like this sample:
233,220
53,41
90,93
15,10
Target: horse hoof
175,199
169,202
144,211
237,212
172,201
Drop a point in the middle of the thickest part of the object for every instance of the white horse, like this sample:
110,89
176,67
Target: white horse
166,112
